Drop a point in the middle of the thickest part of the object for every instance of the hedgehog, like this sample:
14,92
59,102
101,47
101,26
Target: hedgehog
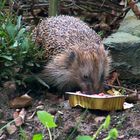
75,55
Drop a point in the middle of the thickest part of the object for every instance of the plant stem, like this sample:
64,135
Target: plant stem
8,124
53,7
50,135
97,132
127,89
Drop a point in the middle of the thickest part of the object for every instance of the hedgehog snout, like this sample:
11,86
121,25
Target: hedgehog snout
90,88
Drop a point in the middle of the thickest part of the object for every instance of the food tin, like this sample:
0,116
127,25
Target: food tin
106,102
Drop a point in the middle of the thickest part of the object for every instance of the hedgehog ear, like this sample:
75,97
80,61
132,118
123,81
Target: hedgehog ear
70,58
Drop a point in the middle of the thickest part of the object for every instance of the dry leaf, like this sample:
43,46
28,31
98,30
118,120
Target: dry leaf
21,102
99,119
122,2
135,8
11,129
132,98
22,114
112,78
105,27
31,116
40,107
19,117
3,137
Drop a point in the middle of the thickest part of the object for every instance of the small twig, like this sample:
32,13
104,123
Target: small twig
127,89
121,15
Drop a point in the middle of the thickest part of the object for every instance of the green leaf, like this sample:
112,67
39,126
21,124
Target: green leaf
107,122
19,22
3,42
30,64
2,4
3,26
2,33
25,44
11,29
46,119
84,138
38,137
24,52
21,33
7,64
7,57
15,44
113,134
37,65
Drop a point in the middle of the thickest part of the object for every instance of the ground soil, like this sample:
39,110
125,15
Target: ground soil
71,121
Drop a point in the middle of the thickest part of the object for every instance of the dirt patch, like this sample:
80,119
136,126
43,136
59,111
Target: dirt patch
71,121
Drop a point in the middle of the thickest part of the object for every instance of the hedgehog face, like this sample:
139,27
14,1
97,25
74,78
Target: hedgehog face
91,83
90,74
89,70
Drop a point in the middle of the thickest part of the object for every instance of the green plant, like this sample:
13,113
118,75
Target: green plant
2,128
101,33
19,56
38,137
113,133
53,7
48,121
22,134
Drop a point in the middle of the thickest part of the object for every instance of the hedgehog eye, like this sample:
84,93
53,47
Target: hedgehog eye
86,77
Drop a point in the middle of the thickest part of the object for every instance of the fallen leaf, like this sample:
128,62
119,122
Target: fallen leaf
122,2
3,137
105,27
40,107
10,85
11,129
127,105
22,114
99,119
113,78
31,116
121,137
21,102
132,98
134,7
19,117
